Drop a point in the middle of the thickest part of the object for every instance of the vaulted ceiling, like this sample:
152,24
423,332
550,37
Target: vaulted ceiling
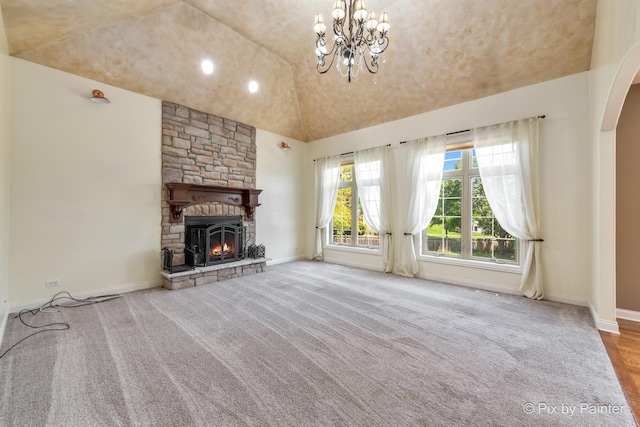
441,53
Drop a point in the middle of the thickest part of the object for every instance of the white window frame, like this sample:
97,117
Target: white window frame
461,142
354,246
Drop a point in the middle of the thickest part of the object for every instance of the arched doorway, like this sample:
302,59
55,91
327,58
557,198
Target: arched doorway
627,207
605,152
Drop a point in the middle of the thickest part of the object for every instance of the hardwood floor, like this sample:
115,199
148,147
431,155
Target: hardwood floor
624,352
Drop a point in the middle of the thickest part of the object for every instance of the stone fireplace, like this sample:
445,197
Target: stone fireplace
208,175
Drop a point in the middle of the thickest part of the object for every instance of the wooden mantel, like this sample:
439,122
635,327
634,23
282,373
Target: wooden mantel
182,195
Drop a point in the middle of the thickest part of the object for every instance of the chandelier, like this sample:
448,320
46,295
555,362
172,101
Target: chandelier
359,39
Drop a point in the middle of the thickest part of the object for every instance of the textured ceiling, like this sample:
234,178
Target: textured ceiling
441,53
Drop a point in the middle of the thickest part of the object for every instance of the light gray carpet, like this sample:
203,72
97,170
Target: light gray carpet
312,344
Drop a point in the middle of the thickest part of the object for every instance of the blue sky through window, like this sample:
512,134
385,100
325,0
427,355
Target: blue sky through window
453,157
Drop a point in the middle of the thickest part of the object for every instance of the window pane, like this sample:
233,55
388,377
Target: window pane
474,159
435,227
452,206
443,233
432,236
505,249
451,188
504,246
346,173
482,246
448,245
451,216
477,190
366,235
452,245
342,217
488,238
453,160
479,204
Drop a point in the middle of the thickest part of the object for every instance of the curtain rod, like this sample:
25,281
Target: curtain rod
351,152
542,116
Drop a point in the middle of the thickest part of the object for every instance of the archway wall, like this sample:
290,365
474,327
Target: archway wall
614,61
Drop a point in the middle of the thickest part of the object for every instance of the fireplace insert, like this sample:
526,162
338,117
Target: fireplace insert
213,240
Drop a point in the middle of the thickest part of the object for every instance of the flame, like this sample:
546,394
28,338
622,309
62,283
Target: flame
220,250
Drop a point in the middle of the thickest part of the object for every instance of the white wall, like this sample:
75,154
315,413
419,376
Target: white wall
4,176
615,60
564,175
281,220
85,186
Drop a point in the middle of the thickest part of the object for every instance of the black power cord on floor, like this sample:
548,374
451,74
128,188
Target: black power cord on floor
57,326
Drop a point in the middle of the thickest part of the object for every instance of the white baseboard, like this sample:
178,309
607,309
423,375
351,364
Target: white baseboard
3,325
622,313
501,289
283,260
604,325
351,264
490,287
30,305
566,299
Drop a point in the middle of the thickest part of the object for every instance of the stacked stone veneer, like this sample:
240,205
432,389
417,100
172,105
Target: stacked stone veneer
204,277
200,148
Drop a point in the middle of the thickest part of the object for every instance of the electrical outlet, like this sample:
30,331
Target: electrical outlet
50,283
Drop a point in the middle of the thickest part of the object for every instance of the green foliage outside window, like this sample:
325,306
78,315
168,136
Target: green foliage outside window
444,232
342,214
493,240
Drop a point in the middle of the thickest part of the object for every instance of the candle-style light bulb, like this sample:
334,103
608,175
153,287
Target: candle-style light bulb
383,24
372,22
360,10
319,26
338,10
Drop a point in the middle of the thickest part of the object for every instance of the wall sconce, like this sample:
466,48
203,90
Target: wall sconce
284,146
98,97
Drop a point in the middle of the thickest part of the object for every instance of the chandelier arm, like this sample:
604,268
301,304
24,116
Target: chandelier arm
370,38
373,68
338,27
320,42
323,67
383,44
359,35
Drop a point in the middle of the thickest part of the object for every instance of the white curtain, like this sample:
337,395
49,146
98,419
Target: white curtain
508,162
327,181
425,164
374,189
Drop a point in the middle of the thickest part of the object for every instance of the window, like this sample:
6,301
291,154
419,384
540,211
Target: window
463,225
347,220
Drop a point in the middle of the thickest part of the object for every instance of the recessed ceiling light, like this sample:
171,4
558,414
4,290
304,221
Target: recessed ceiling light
253,86
207,67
